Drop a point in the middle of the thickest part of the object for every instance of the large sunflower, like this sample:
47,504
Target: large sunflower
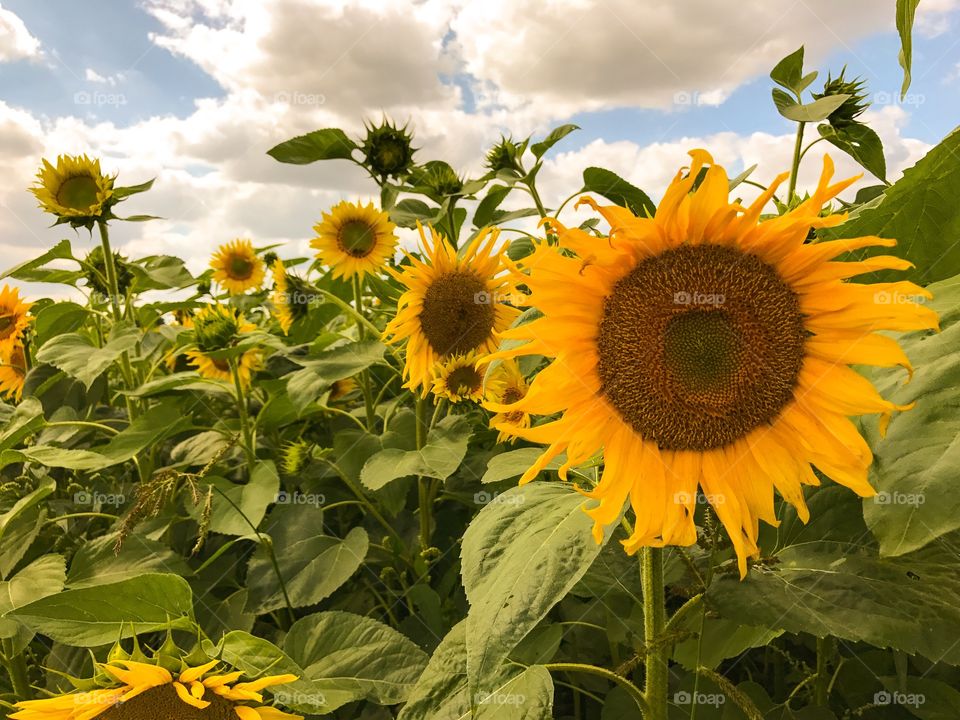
13,318
506,386
458,378
142,690
453,304
354,239
74,189
702,348
237,267
13,371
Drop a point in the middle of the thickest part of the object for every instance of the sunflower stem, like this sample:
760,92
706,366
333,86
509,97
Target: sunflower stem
654,623
620,680
242,413
361,335
797,155
16,668
822,683
423,484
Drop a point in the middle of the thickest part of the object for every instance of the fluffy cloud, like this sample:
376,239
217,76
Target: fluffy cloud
16,42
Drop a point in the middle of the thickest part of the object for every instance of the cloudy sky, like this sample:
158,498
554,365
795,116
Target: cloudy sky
193,92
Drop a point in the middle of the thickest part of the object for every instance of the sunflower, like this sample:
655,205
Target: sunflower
341,388
142,690
219,368
458,378
216,327
13,371
13,318
504,387
702,348
354,239
291,296
73,190
237,267
453,304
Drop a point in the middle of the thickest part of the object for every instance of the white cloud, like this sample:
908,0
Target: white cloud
16,42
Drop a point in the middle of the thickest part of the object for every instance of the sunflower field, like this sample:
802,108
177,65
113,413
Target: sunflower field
693,459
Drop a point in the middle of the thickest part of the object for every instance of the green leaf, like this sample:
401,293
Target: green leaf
552,138
534,543
20,525
78,357
60,251
921,211
326,144
483,215
348,653
244,505
859,142
123,192
160,272
906,10
41,578
312,565
407,213
97,562
58,319
914,468
322,370
808,112
618,191
788,72
515,463
93,616
721,639
25,421
829,580
439,458
442,692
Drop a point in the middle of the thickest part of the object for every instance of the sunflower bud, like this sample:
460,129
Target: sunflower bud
387,150
216,327
96,274
505,155
853,106
294,455
438,178
269,258
203,287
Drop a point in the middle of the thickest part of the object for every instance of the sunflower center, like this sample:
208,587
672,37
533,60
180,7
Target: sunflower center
457,314
699,346
7,324
221,364
78,192
240,267
511,395
163,702
356,238
464,380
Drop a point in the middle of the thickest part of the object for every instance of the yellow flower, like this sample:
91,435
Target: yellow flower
13,371
13,318
453,304
458,378
237,267
354,239
341,388
143,690
506,386
216,327
702,348
291,296
74,189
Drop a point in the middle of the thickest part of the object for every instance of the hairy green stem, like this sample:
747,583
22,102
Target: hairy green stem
821,687
795,169
361,335
654,623
423,484
620,680
245,430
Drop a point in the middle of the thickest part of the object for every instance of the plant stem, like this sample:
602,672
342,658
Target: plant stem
17,670
822,684
242,413
361,335
654,622
423,484
609,675
795,169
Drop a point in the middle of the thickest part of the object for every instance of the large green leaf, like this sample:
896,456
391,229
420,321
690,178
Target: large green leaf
442,692
906,10
312,565
93,616
828,579
321,371
521,555
41,578
97,561
20,525
23,271
441,455
920,211
618,191
24,421
808,112
552,138
915,465
239,508
514,463
78,357
859,142
788,73
326,144
353,654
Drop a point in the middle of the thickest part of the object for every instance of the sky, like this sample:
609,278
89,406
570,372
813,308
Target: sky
194,92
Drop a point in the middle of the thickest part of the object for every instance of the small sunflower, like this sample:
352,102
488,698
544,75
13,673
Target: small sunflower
705,350
354,239
142,690
291,296
453,304
506,386
13,371
216,327
13,318
237,267
458,378
341,388
74,190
